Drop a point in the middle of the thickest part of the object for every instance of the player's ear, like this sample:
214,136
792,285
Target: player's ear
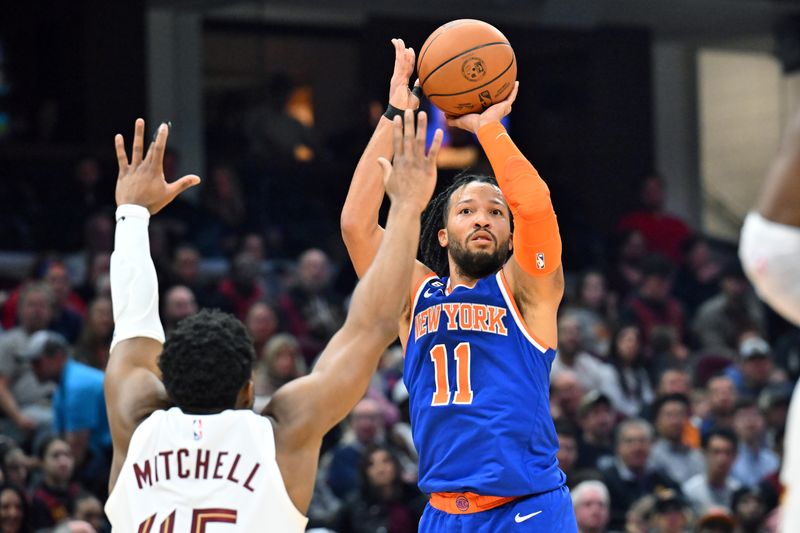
442,238
246,396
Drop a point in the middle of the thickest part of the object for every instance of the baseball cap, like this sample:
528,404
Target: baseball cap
590,399
43,342
716,517
754,347
668,500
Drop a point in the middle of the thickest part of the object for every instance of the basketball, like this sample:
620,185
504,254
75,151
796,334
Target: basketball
466,66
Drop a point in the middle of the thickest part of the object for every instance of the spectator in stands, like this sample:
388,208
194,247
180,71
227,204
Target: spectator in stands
631,388
722,397
98,265
566,393
653,306
68,308
23,400
669,453
74,526
279,363
179,303
597,418
366,422
629,477
261,324
595,309
593,373
16,467
663,232
752,371
720,320
78,405
666,350
697,279
89,509
590,499
715,520
95,339
384,502
54,497
774,404
755,459
313,311
567,450
242,288
716,485
224,207
626,274
749,509
15,515
670,513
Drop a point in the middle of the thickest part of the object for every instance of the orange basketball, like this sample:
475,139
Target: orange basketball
465,66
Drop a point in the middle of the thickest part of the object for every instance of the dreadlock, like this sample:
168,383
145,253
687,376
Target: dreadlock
434,218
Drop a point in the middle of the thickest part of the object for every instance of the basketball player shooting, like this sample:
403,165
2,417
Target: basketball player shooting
188,450
770,252
479,330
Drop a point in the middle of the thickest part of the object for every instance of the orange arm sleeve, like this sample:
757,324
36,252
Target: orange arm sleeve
537,242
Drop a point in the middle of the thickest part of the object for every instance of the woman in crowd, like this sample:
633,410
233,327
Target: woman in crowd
632,388
14,513
384,502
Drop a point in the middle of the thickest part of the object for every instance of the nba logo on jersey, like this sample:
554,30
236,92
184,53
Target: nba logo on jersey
197,428
540,261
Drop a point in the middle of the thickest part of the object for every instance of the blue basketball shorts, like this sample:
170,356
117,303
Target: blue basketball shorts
547,512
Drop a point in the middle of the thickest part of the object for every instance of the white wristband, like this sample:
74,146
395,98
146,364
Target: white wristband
134,285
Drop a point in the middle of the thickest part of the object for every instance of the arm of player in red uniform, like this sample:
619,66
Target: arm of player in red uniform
307,408
359,219
534,273
133,387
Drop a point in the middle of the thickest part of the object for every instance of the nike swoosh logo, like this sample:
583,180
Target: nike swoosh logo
428,293
520,519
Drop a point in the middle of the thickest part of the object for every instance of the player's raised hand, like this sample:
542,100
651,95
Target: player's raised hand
473,121
411,178
141,180
400,96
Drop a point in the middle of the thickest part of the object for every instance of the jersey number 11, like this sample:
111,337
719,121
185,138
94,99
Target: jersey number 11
463,393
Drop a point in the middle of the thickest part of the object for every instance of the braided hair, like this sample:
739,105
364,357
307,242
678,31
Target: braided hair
434,218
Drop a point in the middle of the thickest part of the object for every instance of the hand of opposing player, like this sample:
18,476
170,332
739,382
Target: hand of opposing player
473,121
141,181
400,96
411,178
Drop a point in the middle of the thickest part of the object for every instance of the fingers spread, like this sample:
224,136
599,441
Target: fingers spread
122,157
138,142
408,132
422,131
436,144
397,136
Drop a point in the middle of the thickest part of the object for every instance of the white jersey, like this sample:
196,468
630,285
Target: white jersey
202,474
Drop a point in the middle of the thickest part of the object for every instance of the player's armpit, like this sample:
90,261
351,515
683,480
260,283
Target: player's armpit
537,299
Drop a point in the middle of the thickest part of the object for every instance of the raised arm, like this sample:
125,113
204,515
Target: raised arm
534,273
133,387
307,408
360,230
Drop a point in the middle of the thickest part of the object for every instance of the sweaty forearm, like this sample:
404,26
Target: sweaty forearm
134,285
382,292
780,199
537,242
364,198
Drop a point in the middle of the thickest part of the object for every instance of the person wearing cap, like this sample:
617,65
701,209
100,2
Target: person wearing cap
669,452
715,485
755,459
79,411
717,322
597,417
715,520
752,373
24,402
670,513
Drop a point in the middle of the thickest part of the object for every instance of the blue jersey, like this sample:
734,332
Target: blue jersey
478,387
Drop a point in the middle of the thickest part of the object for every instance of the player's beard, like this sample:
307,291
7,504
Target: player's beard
477,265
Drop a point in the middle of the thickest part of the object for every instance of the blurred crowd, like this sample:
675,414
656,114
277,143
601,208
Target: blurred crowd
669,390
